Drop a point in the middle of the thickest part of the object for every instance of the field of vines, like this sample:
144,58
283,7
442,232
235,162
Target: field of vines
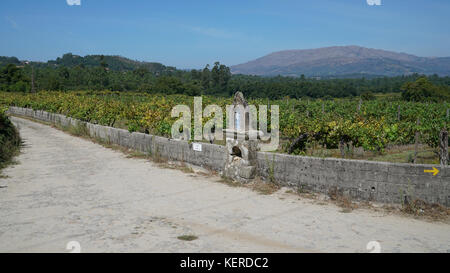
372,125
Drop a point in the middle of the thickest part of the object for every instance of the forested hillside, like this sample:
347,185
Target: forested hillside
116,63
115,73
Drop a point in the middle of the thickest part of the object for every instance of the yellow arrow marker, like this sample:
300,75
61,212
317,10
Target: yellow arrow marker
434,171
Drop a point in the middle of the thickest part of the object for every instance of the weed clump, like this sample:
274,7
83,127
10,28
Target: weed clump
341,200
421,208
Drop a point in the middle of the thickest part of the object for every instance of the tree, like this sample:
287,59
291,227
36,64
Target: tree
169,85
224,77
12,78
193,88
220,75
196,74
420,90
141,71
33,88
215,75
103,63
206,77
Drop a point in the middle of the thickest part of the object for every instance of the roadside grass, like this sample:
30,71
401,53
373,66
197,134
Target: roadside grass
80,130
208,172
263,187
257,184
185,168
135,154
341,200
421,209
417,209
10,162
305,193
230,182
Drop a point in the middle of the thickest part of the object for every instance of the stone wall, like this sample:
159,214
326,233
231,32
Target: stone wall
211,156
365,180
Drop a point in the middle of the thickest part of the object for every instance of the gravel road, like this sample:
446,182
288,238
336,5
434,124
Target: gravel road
66,189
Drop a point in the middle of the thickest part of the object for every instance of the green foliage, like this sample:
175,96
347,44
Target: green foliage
367,96
12,78
115,73
9,60
327,121
169,85
9,139
324,122
423,90
115,63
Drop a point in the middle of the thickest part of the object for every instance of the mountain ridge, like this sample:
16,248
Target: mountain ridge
341,60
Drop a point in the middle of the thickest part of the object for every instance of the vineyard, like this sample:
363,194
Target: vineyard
372,125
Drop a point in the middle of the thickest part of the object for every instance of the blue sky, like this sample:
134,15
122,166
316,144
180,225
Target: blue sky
191,33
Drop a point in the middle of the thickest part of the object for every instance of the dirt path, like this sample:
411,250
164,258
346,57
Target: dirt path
70,189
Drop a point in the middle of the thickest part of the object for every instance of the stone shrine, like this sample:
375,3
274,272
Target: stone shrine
241,138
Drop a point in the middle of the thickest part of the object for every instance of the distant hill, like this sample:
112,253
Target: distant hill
339,61
116,63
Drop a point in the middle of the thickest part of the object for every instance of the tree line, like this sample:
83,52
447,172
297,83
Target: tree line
98,72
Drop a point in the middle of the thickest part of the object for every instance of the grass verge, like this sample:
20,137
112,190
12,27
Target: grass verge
421,209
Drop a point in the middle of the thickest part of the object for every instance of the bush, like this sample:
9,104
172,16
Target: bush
9,140
423,90
367,96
